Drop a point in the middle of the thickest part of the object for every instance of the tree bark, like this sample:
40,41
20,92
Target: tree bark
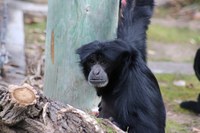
24,109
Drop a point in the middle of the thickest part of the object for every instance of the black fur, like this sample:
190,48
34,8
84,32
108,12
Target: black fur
197,64
133,29
132,97
194,106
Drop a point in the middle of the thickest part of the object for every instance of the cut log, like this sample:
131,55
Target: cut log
24,109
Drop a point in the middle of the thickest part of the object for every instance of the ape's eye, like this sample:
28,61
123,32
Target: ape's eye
91,61
103,62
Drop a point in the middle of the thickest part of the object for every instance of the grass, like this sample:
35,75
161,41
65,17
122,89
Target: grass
173,35
174,127
174,11
172,92
173,95
35,33
163,12
107,128
41,25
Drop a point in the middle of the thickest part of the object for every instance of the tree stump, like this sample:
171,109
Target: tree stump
24,109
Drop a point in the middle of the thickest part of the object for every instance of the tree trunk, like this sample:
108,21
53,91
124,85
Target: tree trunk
70,24
24,109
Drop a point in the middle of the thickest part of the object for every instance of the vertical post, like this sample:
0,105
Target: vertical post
70,24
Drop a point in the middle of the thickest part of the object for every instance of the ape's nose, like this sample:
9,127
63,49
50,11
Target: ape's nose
96,71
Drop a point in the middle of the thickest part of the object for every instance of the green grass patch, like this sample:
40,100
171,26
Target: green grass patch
173,35
162,12
174,127
173,11
172,94
41,25
34,33
107,128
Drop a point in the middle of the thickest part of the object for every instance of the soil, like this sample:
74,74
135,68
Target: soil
190,121
158,51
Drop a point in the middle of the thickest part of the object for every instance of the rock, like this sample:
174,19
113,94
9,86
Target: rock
180,83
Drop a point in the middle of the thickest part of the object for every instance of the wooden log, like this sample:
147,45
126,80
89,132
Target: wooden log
24,109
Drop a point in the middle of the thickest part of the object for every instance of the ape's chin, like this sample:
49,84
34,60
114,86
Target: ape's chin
98,83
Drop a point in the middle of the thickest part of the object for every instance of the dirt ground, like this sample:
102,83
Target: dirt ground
159,51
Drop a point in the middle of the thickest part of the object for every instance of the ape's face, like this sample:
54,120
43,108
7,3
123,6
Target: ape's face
97,66
102,62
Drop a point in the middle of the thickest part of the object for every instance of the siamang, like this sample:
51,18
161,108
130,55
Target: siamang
130,94
194,106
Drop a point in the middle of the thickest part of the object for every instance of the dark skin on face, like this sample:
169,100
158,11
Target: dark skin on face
97,76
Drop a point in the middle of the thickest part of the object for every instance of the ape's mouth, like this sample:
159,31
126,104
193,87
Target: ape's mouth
98,82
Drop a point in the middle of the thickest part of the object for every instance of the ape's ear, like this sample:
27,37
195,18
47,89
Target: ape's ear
126,55
87,49
197,64
131,55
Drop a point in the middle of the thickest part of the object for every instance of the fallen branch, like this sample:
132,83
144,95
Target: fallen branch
24,109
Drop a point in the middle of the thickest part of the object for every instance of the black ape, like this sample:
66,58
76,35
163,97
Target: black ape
117,69
193,105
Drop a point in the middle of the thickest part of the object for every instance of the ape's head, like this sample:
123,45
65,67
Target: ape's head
95,68
102,62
